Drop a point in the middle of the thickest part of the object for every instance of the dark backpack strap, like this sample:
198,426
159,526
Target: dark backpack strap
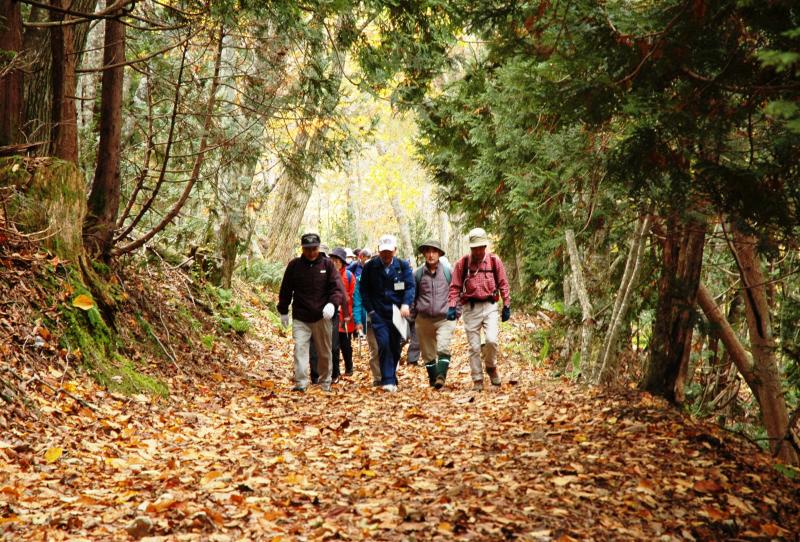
492,257
464,272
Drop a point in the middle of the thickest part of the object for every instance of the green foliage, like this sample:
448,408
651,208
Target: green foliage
263,272
235,322
792,473
184,314
780,60
228,313
207,341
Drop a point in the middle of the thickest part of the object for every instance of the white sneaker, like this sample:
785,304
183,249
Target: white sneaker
390,387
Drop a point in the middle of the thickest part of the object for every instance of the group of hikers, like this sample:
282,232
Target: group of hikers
339,294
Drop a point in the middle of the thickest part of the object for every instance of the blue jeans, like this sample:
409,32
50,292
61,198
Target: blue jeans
388,339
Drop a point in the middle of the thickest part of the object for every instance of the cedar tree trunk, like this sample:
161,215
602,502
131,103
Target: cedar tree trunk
762,343
682,261
10,76
98,230
64,129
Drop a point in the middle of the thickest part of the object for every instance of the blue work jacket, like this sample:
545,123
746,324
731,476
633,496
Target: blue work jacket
380,290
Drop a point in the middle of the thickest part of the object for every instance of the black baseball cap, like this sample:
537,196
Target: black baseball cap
309,240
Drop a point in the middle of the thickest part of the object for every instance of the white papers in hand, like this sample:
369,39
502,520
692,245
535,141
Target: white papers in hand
399,322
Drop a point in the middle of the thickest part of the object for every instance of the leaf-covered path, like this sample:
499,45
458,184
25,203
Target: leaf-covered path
242,457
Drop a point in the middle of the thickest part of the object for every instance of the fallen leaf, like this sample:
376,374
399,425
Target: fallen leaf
53,454
445,528
562,481
83,302
707,486
210,476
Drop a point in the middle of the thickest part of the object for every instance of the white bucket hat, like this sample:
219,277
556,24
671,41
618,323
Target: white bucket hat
478,238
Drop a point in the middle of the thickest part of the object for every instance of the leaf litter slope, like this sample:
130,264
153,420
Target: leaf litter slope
244,457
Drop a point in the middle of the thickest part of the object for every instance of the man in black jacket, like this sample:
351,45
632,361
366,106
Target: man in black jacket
313,287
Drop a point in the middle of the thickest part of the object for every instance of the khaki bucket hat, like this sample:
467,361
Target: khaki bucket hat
433,243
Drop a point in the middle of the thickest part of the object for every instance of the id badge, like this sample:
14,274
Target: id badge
398,286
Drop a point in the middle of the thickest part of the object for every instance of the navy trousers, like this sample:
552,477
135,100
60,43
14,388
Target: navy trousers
388,339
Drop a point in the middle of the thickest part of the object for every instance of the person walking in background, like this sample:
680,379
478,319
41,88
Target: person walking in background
479,281
346,323
413,352
363,328
434,330
357,266
387,282
312,286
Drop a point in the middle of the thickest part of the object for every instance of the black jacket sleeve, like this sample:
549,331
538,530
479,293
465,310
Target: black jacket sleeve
335,286
287,289
365,286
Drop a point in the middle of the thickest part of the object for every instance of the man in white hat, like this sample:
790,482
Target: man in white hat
479,282
387,281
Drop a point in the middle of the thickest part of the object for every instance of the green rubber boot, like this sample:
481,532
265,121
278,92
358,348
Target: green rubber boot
431,368
441,369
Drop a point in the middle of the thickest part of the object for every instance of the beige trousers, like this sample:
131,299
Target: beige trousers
303,333
483,316
435,335
374,360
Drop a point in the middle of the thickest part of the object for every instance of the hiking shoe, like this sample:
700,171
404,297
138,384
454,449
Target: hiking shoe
334,379
391,388
477,385
439,382
376,383
414,363
325,387
299,388
493,376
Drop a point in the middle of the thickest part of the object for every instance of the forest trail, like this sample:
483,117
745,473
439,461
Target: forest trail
242,457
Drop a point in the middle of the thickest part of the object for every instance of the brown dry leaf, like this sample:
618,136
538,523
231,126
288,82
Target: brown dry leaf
562,481
707,486
210,476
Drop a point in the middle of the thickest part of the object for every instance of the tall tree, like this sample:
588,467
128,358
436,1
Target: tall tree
38,107
64,130
682,262
10,71
104,198
290,196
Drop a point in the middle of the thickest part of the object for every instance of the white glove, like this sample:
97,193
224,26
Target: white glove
285,320
328,310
